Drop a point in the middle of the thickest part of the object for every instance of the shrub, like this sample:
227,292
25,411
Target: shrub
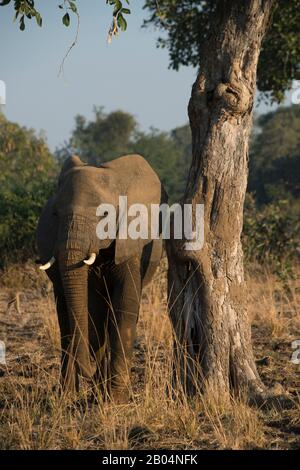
271,235
27,172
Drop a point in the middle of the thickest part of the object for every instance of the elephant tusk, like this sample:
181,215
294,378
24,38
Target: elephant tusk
90,260
48,265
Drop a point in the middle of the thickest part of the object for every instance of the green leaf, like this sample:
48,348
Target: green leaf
66,19
4,2
22,23
117,8
122,23
38,19
73,7
126,11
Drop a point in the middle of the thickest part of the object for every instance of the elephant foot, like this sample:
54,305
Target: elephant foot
116,397
119,396
106,390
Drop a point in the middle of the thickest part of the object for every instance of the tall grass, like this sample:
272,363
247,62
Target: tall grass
34,415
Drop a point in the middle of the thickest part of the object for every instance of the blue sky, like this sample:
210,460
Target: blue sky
130,74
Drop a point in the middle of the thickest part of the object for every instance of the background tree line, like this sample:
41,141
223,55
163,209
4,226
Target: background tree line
28,173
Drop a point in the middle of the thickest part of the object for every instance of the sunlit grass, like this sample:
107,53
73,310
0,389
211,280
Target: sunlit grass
34,414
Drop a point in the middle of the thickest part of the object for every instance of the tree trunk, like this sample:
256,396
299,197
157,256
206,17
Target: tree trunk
206,287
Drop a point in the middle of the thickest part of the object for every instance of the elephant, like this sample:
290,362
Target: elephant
97,282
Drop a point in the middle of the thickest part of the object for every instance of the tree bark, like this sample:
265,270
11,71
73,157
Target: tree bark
206,287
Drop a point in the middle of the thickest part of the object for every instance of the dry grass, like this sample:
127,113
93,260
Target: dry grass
33,416
273,303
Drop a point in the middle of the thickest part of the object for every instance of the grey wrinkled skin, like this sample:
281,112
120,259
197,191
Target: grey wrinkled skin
98,305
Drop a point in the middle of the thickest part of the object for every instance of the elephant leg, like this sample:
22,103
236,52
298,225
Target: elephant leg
69,376
98,333
122,326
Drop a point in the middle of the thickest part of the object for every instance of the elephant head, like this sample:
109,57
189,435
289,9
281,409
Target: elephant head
67,231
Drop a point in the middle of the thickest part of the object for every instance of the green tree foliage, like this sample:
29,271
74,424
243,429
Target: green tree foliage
275,156
271,228
109,136
186,24
105,137
272,211
271,235
27,171
26,10
279,61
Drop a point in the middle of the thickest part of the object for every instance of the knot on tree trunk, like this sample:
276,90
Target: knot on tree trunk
234,98
229,92
233,92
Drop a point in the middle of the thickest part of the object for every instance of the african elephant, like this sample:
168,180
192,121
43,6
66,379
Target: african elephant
97,282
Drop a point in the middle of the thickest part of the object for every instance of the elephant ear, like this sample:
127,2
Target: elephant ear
148,192
69,164
47,231
128,248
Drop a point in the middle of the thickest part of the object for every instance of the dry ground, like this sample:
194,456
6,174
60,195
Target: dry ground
32,416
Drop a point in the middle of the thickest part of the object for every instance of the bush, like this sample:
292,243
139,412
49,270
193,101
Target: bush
27,172
271,235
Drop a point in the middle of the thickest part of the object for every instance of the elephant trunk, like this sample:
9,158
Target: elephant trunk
74,276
